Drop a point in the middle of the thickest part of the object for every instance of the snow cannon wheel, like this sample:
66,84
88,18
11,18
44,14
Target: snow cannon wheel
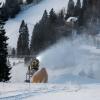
27,81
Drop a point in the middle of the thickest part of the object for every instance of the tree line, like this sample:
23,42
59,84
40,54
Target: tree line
43,35
52,26
48,30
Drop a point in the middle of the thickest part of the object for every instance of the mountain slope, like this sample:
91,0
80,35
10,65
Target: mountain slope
31,16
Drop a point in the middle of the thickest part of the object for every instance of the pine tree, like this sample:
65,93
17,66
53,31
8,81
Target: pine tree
39,34
43,32
12,7
44,17
13,53
23,40
29,1
60,19
35,39
70,9
4,68
21,26
52,16
77,9
84,4
82,19
3,11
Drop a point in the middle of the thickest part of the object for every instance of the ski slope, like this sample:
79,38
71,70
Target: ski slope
31,16
49,92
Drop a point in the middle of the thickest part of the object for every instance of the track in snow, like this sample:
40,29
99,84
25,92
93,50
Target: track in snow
23,94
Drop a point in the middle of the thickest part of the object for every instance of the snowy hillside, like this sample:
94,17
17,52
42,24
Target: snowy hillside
31,16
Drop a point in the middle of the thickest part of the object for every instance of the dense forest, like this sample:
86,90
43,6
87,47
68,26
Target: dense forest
12,7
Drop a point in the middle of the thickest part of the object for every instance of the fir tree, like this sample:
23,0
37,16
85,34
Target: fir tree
29,1
12,7
4,68
82,19
60,19
70,11
13,53
44,17
43,33
39,34
84,4
21,26
3,12
77,9
52,16
35,40
23,40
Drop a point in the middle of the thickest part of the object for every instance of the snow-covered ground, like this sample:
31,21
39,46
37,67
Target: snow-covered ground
73,93
49,92
72,65
31,16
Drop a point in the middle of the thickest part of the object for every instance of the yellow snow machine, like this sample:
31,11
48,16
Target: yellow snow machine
32,68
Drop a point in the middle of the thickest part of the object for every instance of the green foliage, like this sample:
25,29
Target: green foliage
4,68
23,40
70,9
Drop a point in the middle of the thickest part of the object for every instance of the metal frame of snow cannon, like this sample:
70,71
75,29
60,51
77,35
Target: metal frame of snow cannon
30,71
29,75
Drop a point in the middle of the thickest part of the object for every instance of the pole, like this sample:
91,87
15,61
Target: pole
29,76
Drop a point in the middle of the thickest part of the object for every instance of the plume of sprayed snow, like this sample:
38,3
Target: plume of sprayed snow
77,56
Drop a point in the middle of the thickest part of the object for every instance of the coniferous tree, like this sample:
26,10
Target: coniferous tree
84,4
13,53
43,33
77,8
21,26
82,19
52,16
23,40
3,11
12,7
35,40
70,9
60,19
39,34
29,1
44,17
4,68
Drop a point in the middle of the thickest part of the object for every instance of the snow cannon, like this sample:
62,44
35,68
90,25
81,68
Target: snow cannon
32,68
